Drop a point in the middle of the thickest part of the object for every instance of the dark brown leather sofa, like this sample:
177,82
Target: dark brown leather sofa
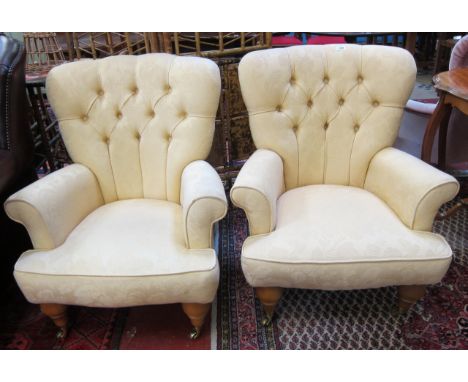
16,150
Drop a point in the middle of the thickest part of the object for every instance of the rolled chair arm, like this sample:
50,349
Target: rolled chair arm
203,203
257,189
53,206
413,189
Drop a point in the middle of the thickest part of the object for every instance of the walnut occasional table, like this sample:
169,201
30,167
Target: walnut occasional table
452,87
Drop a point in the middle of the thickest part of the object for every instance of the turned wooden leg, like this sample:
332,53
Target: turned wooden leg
196,313
58,314
269,297
408,295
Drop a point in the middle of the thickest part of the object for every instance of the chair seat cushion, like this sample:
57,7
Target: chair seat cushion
129,252
340,237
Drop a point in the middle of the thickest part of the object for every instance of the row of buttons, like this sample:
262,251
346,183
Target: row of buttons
341,102
168,137
325,127
151,113
325,79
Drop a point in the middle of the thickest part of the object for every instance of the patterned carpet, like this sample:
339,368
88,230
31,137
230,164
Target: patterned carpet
361,319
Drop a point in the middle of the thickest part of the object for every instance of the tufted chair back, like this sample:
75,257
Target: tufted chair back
326,110
136,121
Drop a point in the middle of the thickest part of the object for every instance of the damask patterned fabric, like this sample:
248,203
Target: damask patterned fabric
353,212
130,223
133,120
326,110
340,237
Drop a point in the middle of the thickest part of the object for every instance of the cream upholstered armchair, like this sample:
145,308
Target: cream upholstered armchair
330,204
130,222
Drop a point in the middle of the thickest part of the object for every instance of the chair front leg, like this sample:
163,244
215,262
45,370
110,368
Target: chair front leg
196,313
269,297
58,314
408,295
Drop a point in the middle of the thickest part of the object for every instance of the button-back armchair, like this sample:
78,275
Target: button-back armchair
130,222
330,204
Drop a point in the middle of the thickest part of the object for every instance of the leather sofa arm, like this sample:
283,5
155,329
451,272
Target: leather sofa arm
53,206
203,203
413,189
257,189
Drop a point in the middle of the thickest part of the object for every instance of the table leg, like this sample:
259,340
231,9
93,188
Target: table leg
439,114
410,44
443,136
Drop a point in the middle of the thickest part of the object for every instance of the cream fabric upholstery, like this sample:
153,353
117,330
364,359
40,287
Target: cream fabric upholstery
416,193
258,194
355,210
326,110
52,206
203,201
339,237
133,120
139,241
131,222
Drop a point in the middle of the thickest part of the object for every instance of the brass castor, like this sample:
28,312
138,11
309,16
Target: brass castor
58,314
196,313
194,333
269,297
62,333
267,321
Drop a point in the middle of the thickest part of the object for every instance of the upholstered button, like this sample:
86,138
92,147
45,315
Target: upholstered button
309,103
292,80
278,108
84,117
325,126
100,93
183,114
356,127
167,88
151,113
105,140
137,134
360,79
341,101
119,115
326,79
375,103
295,127
135,90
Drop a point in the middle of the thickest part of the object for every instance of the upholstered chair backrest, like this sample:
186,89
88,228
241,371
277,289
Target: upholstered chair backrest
326,110
136,121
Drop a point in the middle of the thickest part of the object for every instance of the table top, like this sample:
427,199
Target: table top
454,82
